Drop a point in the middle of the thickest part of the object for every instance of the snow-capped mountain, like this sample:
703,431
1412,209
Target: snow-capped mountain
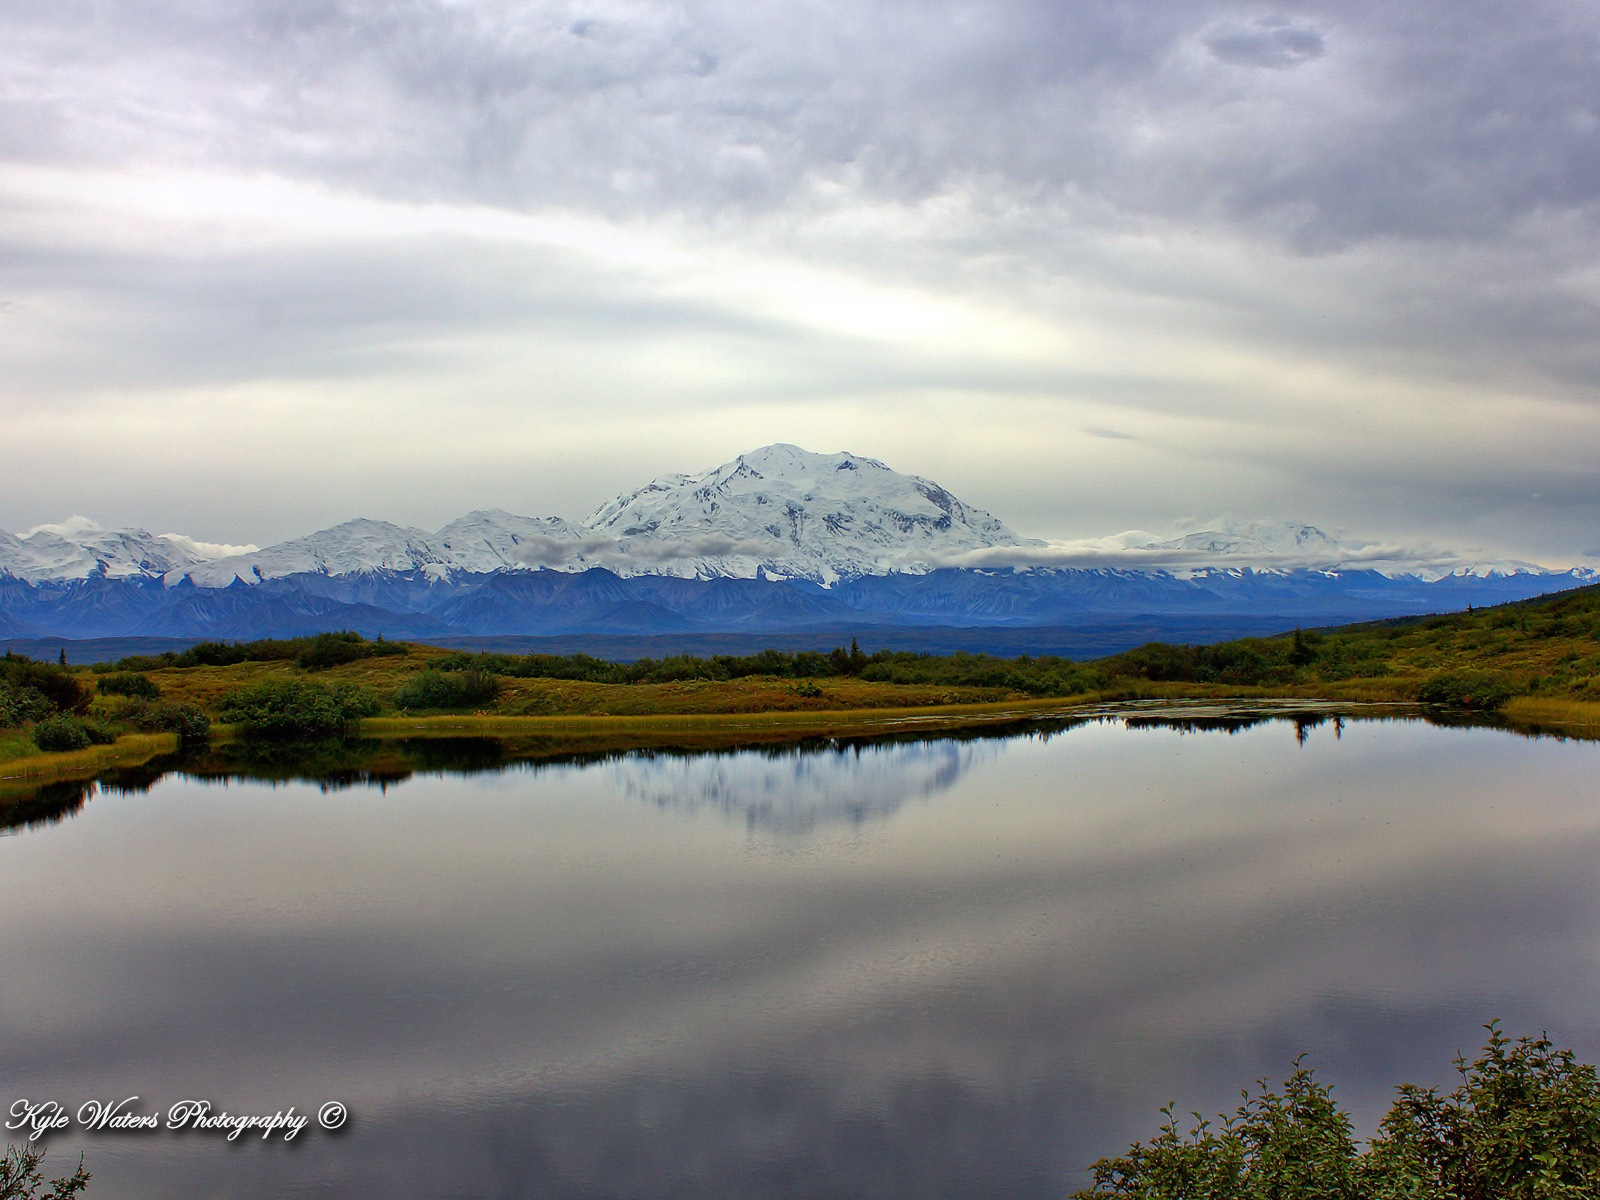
78,548
1230,545
780,513
1292,546
787,513
740,551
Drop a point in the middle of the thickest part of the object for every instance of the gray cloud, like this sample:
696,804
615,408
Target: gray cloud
1295,253
1386,557
1266,43
645,107
540,550
678,549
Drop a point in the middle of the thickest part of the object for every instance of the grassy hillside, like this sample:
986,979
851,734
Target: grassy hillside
1536,661
1546,647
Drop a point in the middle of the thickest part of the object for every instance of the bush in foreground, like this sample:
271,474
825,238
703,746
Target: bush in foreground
127,683
21,1179
188,722
295,708
39,687
470,688
62,732
58,734
1524,1124
1477,692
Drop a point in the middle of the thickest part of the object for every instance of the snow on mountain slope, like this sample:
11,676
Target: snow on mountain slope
493,539
1231,545
780,512
354,546
786,512
78,548
1289,545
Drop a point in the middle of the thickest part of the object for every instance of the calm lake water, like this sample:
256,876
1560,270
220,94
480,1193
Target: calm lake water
951,967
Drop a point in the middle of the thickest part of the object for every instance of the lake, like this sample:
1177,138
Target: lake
910,968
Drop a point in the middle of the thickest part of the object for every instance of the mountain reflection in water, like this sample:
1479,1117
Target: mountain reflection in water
790,792
925,967
793,786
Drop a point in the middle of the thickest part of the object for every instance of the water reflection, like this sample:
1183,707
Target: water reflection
550,983
792,786
794,792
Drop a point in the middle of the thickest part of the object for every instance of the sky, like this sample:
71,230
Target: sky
266,265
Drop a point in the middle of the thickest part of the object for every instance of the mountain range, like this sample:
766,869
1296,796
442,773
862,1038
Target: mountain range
778,540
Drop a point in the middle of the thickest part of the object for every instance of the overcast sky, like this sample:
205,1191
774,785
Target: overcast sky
266,265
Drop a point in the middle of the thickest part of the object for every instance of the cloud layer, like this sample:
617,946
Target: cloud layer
276,262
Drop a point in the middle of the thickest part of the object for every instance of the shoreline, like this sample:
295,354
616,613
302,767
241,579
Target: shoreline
21,777
632,732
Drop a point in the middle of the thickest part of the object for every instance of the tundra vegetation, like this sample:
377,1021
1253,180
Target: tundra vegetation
1537,662
21,1177
1523,1124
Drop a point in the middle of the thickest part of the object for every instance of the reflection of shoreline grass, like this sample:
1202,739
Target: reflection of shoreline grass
823,721
1580,718
567,734
23,774
1536,662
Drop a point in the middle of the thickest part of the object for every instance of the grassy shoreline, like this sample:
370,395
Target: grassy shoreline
1531,666
700,730
20,776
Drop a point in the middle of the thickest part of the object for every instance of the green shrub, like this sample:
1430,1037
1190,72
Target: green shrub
100,733
128,683
19,704
20,1178
310,653
59,733
470,688
1524,1124
296,708
1481,693
185,720
334,649
62,690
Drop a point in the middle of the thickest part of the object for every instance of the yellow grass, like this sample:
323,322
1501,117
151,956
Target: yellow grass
23,774
1580,717
206,687
729,724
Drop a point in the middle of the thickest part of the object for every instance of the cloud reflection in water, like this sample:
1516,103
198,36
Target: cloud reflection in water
533,984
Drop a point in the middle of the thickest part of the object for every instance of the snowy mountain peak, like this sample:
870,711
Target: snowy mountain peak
788,513
779,512
1232,536
79,548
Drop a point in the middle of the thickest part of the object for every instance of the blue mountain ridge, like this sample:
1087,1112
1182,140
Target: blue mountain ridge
597,603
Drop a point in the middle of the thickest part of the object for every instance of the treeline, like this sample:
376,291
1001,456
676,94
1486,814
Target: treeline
317,652
34,691
466,680
1035,676
53,704
1473,660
